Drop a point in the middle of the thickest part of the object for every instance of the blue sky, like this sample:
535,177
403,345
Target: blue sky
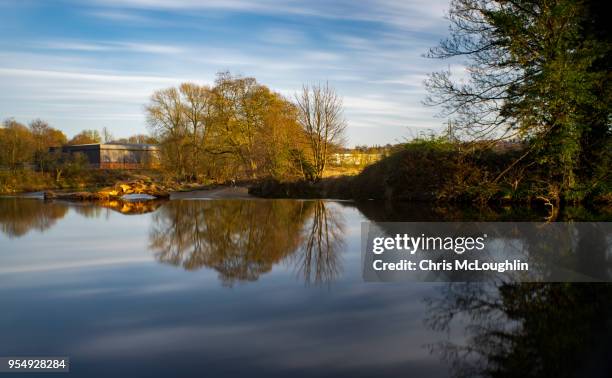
93,64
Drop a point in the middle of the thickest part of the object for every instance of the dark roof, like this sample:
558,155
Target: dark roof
112,146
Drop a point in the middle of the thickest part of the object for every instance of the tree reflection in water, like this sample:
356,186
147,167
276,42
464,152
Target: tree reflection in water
526,330
20,216
243,239
317,260
533,329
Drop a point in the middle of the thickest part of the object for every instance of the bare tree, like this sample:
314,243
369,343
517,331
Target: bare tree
320,115
107,136
165,117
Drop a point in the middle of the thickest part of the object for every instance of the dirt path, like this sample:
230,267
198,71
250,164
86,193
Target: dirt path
237,192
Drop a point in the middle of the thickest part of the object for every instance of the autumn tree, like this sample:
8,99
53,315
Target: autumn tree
137,139
279,147
321,117
142,139
238,116
16,144
255,125
197,114
86,137
44,137
237,128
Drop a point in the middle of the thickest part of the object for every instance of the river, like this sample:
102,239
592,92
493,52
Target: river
270,288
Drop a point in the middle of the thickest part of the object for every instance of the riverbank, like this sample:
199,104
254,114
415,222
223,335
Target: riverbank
212,192
436,171
93,185
430,171
84,180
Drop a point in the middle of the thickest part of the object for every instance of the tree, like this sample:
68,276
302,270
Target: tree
142,139
137,139
279,144
107,136
166,119
197,109
537,71
16,144
254,128
44,137
86,137
238,128
239,102
320,116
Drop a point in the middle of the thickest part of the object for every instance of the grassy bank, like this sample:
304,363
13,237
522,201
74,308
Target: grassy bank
435,170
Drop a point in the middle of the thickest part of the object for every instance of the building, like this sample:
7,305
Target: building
354,158
115,155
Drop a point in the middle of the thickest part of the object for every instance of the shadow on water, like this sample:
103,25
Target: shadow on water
377,211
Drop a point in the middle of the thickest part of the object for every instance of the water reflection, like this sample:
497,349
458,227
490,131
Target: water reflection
377,211
20,216
317,260
242,240
527,330
239,239
143,318
96,209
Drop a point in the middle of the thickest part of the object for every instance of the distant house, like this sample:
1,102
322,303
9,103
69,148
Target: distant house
350,157
115,155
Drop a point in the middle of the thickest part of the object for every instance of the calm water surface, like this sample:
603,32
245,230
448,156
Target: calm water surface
267,288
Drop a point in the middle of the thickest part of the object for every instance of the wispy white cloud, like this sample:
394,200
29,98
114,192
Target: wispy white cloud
120,16
16,72
130,47
408,80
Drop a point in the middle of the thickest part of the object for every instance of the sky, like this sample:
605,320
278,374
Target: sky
94,64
